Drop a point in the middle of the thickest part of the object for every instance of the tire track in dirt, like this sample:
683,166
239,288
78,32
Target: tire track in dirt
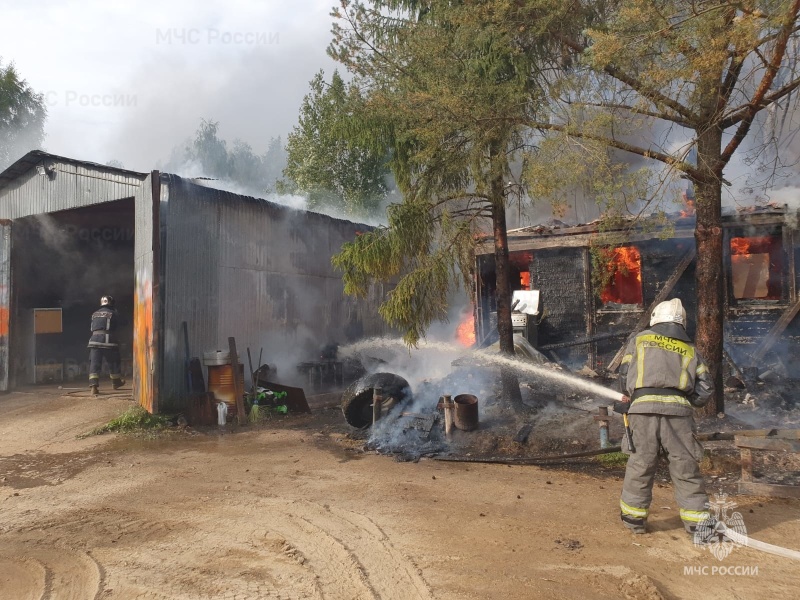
33,571
267,548
22,577
349,553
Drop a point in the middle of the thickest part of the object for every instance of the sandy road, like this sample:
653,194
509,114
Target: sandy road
284,512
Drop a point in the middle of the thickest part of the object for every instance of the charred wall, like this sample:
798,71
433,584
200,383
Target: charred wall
559,274
660,258
749,323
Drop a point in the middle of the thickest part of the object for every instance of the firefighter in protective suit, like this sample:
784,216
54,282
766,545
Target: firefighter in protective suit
103,344
664,378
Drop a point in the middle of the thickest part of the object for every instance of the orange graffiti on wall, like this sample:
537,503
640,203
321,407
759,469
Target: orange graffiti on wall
143,341
3,321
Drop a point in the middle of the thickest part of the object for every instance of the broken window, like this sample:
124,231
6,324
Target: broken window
623,277
757,267
520,270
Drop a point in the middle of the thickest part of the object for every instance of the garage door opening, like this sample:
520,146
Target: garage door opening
62,263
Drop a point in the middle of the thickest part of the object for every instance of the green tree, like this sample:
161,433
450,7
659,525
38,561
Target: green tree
238,164
22,116
325,162
655,79
211,151
448,92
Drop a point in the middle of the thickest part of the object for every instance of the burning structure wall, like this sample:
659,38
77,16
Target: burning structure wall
588,315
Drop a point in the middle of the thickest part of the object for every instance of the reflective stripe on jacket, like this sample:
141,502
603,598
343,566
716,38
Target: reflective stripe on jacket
103,327
665,366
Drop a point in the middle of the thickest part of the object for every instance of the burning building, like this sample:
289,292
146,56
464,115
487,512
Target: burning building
595,295
171,252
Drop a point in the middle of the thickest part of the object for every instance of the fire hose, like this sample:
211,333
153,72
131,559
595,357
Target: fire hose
744,540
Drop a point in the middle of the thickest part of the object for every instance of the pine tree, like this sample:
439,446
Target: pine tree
22,116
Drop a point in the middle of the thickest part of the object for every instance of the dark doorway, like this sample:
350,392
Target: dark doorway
62,263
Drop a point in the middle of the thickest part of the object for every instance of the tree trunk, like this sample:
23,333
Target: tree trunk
709,270
511,392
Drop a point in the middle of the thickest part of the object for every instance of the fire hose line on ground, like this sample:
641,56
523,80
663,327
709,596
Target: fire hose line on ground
720,527
749,542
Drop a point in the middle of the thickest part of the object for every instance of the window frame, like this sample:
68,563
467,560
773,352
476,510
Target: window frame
784,236
606,308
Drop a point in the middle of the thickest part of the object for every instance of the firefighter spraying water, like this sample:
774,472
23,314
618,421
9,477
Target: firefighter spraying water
665,378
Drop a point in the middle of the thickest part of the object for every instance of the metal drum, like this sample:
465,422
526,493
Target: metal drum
220,382
466,417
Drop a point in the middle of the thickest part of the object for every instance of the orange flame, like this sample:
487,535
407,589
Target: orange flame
747,274
625,286
740,246
525,280
689,211
465,332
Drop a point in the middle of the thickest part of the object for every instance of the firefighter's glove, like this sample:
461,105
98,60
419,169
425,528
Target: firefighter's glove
622,407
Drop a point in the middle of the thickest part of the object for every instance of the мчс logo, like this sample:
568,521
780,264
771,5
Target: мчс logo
715,531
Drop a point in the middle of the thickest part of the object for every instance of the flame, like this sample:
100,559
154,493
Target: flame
465,332
751,245
525,280
740,246
689,211
756,269
625,267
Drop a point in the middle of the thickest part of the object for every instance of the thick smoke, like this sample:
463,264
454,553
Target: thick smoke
78,263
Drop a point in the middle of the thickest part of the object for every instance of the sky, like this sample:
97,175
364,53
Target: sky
128,81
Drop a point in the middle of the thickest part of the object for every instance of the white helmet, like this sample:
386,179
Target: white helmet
670,311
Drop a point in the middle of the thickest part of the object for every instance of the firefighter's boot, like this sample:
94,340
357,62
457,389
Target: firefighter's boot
117,382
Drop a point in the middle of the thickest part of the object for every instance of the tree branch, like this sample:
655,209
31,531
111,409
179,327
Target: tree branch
755,104
668,159
677,119
653,95
741,112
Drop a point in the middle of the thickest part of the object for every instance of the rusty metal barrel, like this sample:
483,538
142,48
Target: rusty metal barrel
466,413
220,378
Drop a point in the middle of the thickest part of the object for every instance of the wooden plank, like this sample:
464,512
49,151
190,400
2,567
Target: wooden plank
775,333
687,259
747,465
585,235
532,460
590,311
769,489
238,391
791,278
771,443
789,434
572,240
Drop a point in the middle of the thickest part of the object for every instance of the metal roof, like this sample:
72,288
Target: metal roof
36,157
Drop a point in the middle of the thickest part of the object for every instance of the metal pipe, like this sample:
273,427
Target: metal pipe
533,460
602,419
449,405
377,404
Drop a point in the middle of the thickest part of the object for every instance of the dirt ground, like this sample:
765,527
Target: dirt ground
290,510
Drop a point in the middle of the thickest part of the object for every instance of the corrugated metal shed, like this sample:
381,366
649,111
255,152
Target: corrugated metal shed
248,268
226,264
73,184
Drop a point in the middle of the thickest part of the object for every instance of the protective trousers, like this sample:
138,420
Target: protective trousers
96,363
684,454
